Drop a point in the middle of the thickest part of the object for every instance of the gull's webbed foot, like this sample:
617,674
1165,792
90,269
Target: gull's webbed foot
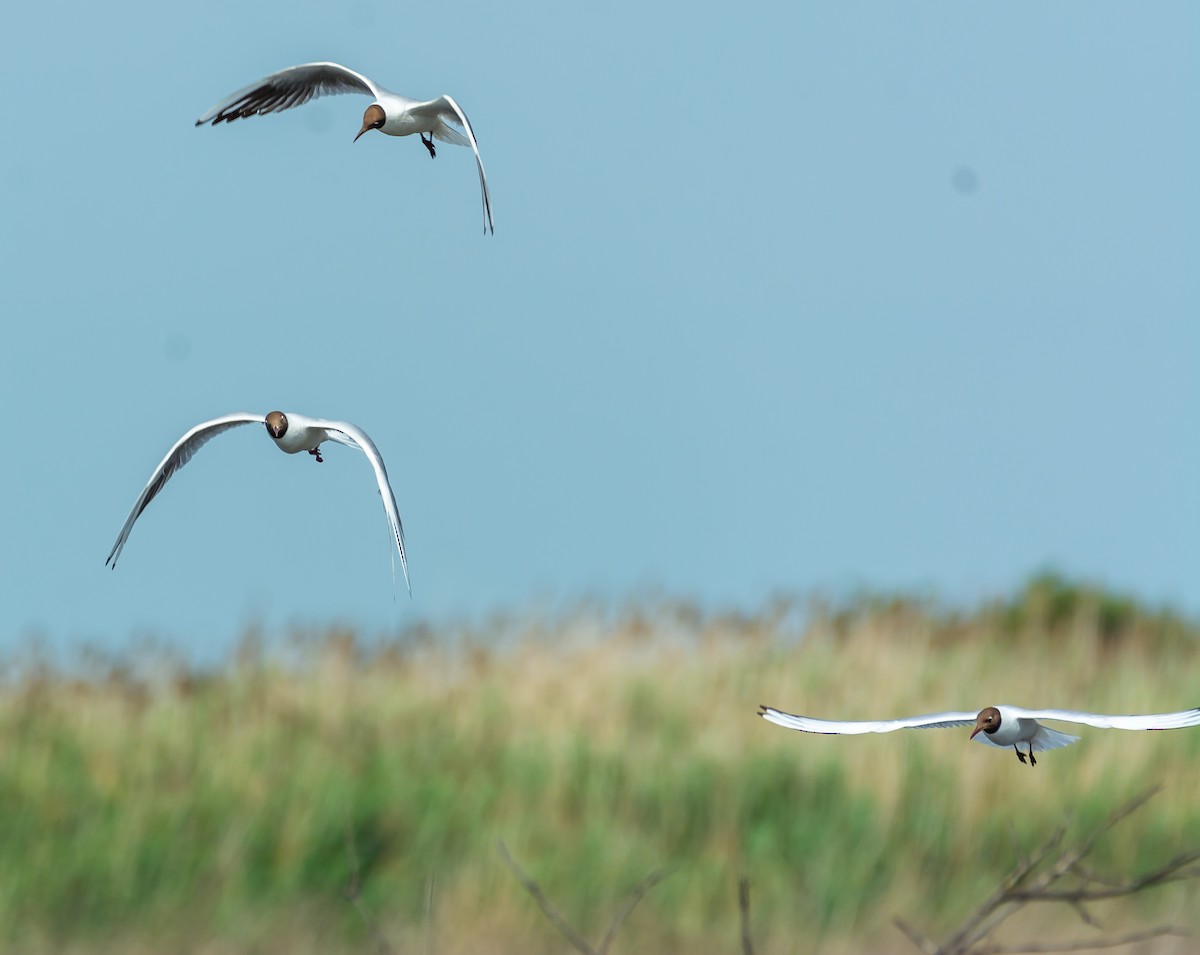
428,145
1020,755
316,453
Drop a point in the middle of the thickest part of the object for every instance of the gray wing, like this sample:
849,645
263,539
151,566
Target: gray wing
177,457
1148,721
446,108
294,86
353,436
856,727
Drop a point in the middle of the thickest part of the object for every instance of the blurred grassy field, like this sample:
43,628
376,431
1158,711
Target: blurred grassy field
145,807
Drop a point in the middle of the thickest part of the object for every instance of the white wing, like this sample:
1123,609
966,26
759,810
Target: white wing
294,86
1148,721
176,458
855,727
446,108
354,437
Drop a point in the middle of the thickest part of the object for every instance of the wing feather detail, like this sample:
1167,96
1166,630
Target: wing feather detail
1131,721
286,89
808,724
446,108
179,455
353,436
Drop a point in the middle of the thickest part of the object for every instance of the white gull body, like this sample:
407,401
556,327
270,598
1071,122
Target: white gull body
390,112
291,433
1000,726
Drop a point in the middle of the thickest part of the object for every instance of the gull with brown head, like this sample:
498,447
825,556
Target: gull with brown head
391,113
292,433
1001,726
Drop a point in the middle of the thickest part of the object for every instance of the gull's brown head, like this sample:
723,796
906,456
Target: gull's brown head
988,720
373,118
277,424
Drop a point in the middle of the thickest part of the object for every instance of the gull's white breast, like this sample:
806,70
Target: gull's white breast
398,121
1013,729
301,435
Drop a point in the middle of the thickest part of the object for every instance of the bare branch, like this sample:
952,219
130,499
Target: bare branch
544,903
565,927
1084,915
1175,870
919,940
429,884
1087,875
1036,879
1116,816
991,911
744,910
630,903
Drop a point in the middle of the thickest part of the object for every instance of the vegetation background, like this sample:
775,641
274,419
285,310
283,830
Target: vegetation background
146,806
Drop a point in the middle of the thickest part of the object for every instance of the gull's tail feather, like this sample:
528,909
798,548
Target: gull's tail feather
1046,738
448,134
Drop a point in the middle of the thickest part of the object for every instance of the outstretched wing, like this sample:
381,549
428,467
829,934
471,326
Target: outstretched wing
353,436
445,108
1148,721
176,458
294,86
855,727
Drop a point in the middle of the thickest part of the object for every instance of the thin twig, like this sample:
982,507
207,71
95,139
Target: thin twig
1010,897
1084,915
985,918
1035,879
919,940
744,910
544,903
1168,872
429,884
630,903
1087,875
565,927
1117,815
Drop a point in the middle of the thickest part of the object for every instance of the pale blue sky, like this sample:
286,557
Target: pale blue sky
781,297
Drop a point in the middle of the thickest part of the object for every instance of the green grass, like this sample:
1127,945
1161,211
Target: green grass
145,807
